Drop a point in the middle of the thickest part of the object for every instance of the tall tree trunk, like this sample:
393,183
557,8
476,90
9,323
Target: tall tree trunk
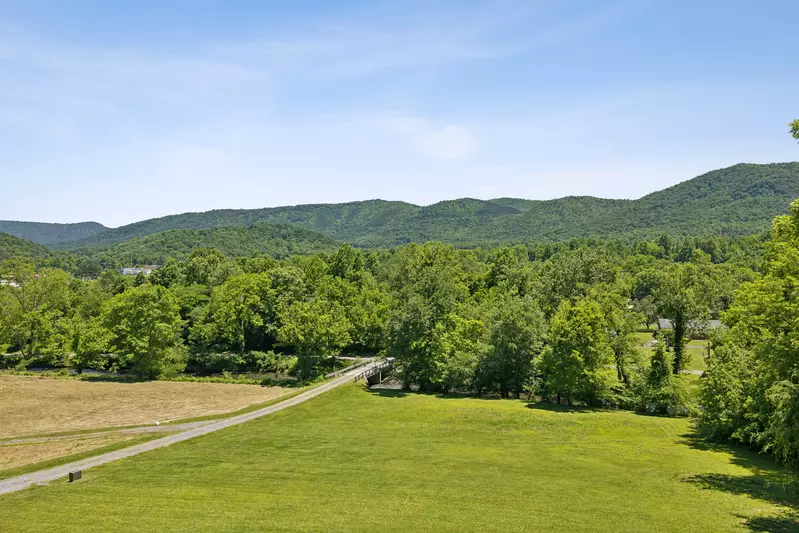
620,371
679,334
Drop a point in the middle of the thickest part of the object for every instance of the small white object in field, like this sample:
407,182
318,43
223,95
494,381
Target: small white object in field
157,423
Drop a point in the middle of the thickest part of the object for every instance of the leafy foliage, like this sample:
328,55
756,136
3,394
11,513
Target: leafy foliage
752,392
11,246
577,362
32,308
145,330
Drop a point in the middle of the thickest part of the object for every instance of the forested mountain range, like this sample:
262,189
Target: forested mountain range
50,233
11,246
275,240
738,200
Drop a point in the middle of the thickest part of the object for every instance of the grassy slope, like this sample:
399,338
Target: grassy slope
354,460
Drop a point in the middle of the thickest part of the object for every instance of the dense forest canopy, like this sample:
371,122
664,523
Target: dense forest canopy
11,246
276,240
739,200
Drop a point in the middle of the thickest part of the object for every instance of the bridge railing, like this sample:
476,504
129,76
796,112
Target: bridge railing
372,370
349,368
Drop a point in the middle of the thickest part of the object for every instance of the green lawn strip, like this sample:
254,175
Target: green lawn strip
357,460
57,461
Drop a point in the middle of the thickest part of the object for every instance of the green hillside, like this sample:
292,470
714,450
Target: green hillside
277,240
50,233
737,200
11,246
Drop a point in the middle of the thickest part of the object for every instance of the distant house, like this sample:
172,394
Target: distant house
135,271
9,282
665,323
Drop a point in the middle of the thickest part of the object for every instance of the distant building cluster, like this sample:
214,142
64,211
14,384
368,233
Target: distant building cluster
135,271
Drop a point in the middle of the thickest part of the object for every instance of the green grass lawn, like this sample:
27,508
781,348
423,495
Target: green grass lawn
358,460
695,349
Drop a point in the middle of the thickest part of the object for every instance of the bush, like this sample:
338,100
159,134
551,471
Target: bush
727,394
672,398
273,362
11,360
207,364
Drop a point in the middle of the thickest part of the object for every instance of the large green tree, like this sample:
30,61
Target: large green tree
622,321
763,320
316,329
578,361
236,307
144,329
516,338
429,288
32,303
684,294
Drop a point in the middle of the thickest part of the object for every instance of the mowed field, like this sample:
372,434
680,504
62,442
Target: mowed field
33,405
84,414
361,460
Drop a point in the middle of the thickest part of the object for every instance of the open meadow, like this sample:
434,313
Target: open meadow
33,405
44,419
364,460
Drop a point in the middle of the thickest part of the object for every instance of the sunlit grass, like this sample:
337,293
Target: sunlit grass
357,460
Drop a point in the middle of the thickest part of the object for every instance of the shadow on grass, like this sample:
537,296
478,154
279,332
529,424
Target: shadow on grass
766,482
559,408
403,393
541,406
787,523
389,393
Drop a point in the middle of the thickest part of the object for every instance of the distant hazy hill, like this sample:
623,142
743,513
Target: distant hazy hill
277,240
47,233
738,200
11,246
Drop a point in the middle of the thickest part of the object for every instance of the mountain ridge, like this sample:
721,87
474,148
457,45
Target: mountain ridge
736,200
276,240
50,232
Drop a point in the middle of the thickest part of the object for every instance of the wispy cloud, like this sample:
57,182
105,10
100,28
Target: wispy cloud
438,141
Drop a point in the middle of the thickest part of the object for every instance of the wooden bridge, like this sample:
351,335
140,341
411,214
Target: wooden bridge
373,374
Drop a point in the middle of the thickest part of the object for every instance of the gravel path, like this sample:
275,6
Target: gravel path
174,428
43,477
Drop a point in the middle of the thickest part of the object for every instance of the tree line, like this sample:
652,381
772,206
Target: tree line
456,320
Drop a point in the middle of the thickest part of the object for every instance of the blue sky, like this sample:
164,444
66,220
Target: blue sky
121,111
